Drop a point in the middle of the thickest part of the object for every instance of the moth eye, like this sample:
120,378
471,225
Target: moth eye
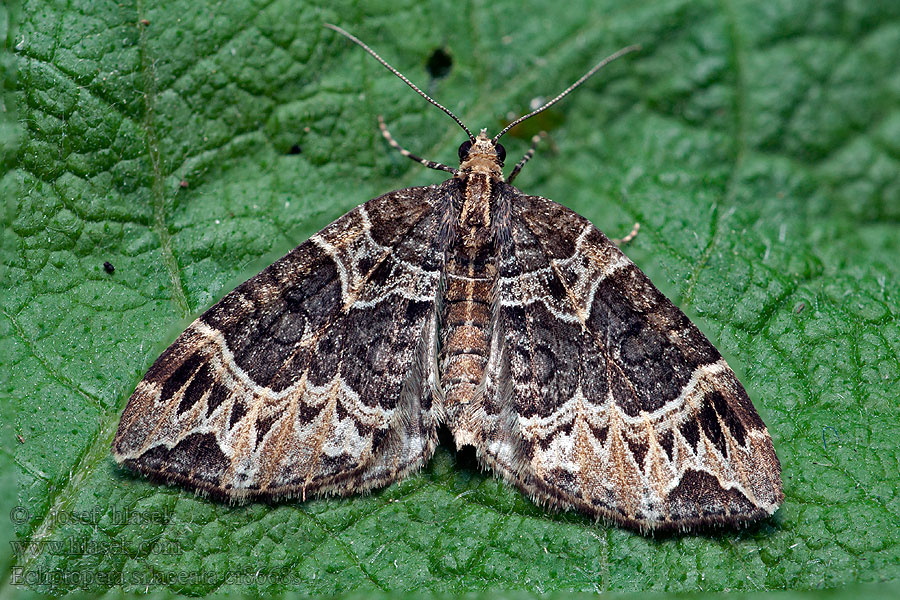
464,150
501,152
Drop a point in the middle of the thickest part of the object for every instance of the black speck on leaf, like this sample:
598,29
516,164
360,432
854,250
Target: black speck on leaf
439,64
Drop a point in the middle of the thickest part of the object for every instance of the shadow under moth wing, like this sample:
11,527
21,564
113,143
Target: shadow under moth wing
507,317
314,376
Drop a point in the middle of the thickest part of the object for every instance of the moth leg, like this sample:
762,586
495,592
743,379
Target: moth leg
534,142
631,235
423,161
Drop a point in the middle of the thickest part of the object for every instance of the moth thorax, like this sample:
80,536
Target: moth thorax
474,218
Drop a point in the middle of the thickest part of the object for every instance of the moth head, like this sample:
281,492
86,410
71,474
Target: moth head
483,155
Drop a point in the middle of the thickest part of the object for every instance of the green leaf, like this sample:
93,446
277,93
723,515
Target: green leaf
757,143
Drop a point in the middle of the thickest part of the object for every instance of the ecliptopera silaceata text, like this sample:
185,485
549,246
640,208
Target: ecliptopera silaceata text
506,317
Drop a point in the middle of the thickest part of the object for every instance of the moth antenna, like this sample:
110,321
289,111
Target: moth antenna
402,77
566,91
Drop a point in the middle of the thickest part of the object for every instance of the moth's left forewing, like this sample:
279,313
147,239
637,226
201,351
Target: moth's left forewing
602,395
315,376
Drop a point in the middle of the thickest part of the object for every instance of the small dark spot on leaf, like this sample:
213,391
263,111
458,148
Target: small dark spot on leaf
295,149
439,64
108,267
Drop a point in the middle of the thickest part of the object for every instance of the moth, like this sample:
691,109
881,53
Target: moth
469,304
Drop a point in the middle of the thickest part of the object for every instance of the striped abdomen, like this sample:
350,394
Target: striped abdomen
465,330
